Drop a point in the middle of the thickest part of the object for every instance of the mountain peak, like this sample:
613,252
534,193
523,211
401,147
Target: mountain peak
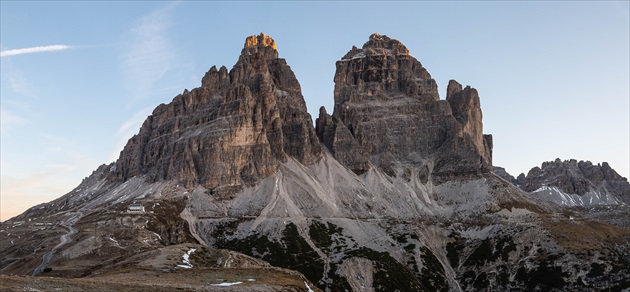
378,44
259,48
388,112
229,133
260,40
383,42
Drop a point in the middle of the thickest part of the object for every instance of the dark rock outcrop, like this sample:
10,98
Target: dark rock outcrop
502,173
573,177
388,112
230,132
340,141
520,179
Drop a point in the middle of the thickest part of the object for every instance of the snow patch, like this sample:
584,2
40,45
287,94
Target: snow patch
114,240
308,287
186,259
225,284
592,197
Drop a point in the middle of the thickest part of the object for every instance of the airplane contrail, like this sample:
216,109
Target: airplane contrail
33,50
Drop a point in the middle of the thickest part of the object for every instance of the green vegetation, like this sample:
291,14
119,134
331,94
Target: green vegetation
488,252
453,249
292,252
503,276
546,276
596,270
481,282
432,275
322,234
467,279
504,246
482,254
390,275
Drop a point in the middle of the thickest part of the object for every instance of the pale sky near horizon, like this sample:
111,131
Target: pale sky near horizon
78,78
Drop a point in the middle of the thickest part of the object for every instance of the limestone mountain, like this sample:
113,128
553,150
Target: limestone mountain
229,133
393,191
388,112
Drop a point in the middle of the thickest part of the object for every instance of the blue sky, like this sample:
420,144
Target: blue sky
78,78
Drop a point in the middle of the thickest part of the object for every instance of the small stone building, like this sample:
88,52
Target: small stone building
136,208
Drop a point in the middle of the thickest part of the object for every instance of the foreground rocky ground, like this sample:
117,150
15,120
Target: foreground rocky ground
207,279
182,267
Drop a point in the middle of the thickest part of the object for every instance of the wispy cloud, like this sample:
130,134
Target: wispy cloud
39,49
19,85
148,53
8,120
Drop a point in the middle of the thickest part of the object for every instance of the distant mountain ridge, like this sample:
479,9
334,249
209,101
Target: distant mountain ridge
573,183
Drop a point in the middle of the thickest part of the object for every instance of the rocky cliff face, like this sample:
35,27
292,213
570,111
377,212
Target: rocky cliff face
388,114
229,133
592,184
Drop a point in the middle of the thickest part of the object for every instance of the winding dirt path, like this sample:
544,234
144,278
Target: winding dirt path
64,239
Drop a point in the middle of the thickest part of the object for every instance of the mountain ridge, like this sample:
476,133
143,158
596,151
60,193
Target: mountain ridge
394,190
572,183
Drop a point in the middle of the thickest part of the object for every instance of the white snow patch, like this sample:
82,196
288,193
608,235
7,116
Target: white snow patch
225,284
592,197
308,287
114,240
186,259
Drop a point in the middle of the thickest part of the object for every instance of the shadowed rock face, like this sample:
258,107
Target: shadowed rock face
232,131
388,112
